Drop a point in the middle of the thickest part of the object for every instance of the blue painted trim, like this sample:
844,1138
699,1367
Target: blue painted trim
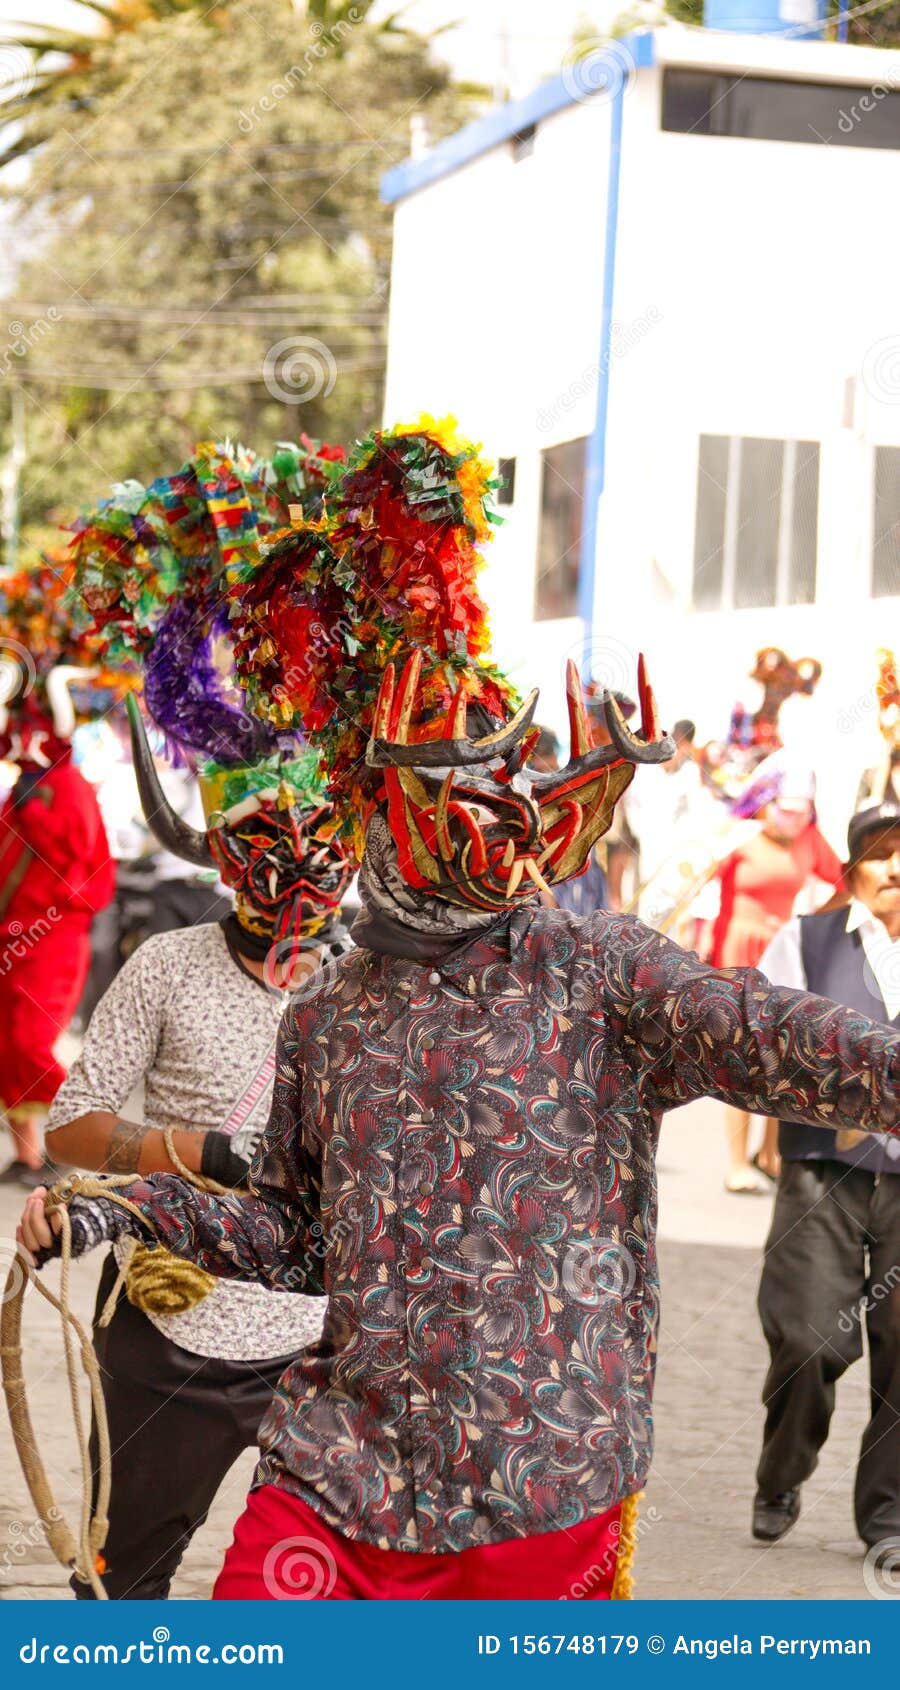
595,464
499,126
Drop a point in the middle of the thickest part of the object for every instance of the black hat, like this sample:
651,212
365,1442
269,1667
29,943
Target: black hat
877,818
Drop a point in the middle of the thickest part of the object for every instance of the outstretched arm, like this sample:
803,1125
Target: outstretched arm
691,1031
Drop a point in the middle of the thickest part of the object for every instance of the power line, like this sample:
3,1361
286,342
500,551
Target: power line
187,315
156,381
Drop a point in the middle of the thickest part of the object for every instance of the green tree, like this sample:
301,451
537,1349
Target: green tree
878,28
207,252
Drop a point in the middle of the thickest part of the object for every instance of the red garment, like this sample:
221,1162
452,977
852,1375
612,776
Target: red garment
283,1551
760,884
55,874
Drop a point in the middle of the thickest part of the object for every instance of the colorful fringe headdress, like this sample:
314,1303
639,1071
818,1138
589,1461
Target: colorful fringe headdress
150,567
365,627
43,658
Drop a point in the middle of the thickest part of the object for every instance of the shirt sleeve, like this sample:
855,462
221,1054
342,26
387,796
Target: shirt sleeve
121,1040
272,1234
782,959
690,1031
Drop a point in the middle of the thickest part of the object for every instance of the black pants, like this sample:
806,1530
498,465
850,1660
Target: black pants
177,1422
833,1264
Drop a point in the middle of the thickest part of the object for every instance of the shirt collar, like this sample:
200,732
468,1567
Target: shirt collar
860,918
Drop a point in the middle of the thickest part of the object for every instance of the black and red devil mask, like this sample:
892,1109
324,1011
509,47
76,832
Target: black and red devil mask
472,823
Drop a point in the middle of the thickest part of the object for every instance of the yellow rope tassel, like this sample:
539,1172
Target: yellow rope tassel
623,1582
159,1283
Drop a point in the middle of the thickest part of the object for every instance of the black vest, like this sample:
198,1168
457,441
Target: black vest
834,963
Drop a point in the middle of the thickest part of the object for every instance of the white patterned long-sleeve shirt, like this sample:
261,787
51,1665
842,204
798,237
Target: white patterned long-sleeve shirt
186,1023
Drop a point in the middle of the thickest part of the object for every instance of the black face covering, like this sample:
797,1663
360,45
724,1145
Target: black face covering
256,947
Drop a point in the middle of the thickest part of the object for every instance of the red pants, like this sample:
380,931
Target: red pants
282,1551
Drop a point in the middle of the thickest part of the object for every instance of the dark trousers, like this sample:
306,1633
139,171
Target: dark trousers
177,1422
832,1265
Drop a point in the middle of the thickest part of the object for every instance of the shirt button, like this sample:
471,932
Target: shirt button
427,1262
428,1043
434,978
433,1414
425,1188
427,1116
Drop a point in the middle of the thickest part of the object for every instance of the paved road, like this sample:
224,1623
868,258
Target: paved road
695,1540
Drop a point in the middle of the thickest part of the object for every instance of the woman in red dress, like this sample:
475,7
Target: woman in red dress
760,883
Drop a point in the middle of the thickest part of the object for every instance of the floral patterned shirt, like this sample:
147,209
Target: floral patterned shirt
462,1155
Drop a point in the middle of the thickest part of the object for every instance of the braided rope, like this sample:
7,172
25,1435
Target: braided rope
155,1282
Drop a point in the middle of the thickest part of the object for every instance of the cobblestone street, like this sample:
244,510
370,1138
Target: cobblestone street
695,1539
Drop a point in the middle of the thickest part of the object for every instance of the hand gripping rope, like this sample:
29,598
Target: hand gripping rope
156,1282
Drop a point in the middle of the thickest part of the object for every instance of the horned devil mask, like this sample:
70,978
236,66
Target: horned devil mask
288,876
472,823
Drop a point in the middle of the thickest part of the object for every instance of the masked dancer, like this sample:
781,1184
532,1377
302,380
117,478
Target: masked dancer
467,1109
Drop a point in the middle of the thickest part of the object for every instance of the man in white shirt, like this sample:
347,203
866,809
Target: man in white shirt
833,1253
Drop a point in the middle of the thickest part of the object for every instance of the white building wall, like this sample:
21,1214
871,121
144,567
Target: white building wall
753,279
773,269
495,317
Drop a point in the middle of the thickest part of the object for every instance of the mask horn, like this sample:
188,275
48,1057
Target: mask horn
59,697
173,834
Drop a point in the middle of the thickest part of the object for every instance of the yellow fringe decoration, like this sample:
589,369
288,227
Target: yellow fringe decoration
623,1583
159,1283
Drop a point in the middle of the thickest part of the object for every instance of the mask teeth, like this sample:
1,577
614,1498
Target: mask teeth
509,854
515,875
534,873
579,730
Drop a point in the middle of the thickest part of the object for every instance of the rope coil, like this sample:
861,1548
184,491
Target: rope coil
156,1282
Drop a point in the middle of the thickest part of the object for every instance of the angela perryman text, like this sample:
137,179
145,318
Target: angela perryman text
809,1647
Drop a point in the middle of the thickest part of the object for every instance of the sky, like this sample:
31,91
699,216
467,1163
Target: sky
508,44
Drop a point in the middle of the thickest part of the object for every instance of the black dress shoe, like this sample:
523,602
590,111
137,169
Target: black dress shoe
12,1175
30,1178
772,1520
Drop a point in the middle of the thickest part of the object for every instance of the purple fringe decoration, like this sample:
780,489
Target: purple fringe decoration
187,696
